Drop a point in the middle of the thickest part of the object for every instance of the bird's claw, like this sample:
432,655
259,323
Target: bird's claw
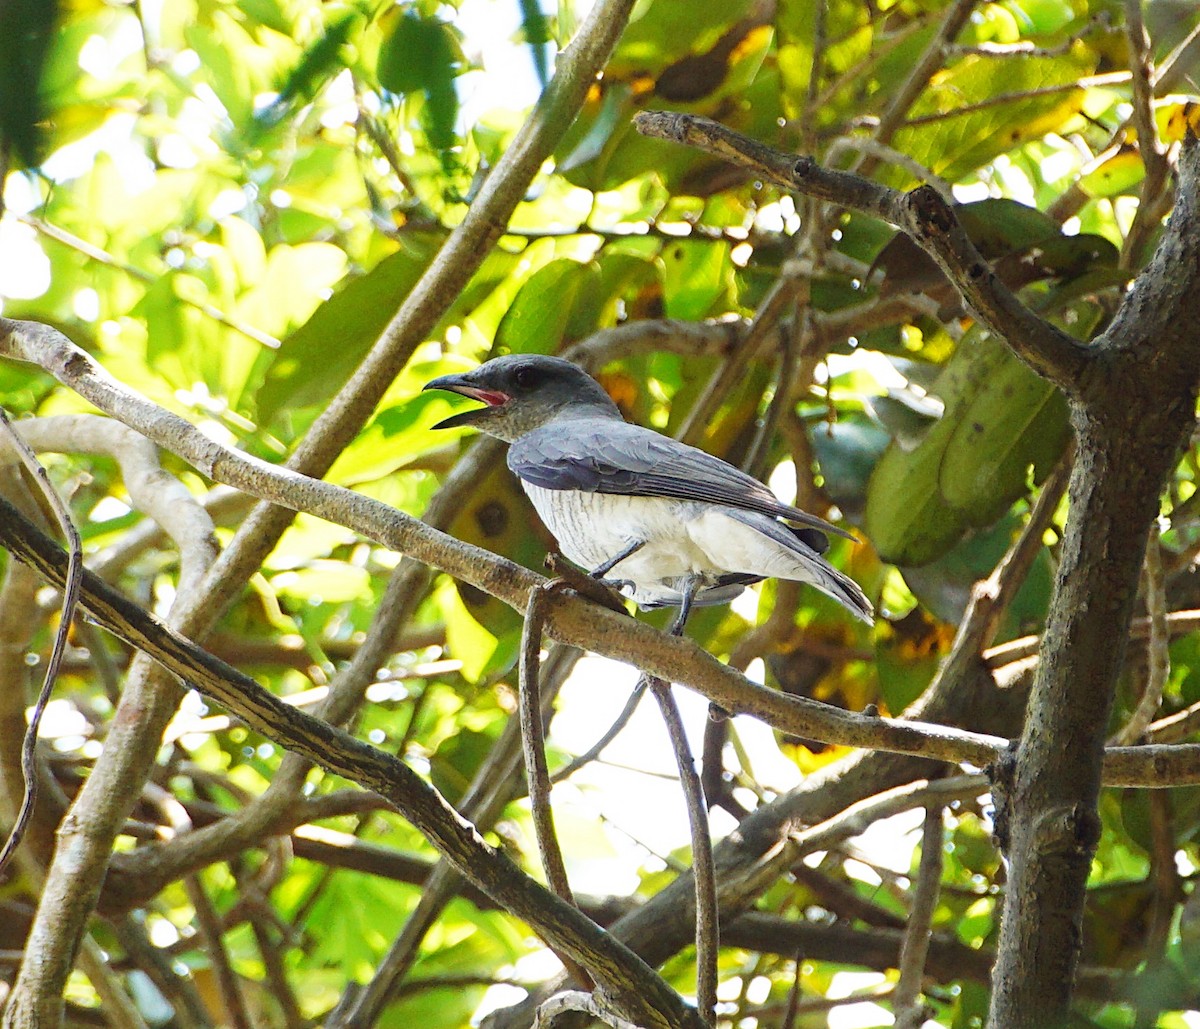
598,590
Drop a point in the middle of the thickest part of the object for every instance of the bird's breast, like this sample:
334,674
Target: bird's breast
591,528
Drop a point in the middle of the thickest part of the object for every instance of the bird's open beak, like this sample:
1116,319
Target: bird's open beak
492,398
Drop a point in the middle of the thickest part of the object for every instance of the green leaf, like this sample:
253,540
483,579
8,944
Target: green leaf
314,361
696,273
26,30
319,63
1018,420
421,55
957,143
537,319
847,452
1118,174
536,28
999,419
944,586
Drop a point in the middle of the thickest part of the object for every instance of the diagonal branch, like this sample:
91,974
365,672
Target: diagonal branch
643,994
923,214
570,619
29,764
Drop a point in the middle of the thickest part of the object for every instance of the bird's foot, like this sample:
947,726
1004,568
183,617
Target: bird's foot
618,585
602,591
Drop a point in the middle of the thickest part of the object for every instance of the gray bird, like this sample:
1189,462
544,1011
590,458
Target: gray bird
675,525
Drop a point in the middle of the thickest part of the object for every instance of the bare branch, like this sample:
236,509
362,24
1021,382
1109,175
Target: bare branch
930,62
703,871
1096,23
923,214
70,599
482,803
100,256
537,775
909,1011
1150,208
610,734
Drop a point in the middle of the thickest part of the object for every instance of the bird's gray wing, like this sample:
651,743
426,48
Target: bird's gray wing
819,572
600,455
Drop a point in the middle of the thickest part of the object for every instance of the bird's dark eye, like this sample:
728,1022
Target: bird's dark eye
527,377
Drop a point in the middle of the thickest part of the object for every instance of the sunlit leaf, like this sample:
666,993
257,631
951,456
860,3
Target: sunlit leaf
317,358
1000,419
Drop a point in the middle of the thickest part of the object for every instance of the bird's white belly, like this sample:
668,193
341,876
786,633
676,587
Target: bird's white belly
592,528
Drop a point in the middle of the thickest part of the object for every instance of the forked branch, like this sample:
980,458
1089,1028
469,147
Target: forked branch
921,213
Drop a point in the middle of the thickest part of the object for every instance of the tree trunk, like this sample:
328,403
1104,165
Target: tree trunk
1135,407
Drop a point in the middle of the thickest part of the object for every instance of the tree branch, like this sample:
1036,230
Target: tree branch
909,1011
923,214
70,598
1134,410
537,775
703,871
561,925
589,626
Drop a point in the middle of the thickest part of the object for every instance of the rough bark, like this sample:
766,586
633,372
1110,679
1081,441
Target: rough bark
1135,408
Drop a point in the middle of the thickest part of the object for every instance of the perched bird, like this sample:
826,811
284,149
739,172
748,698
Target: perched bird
673,524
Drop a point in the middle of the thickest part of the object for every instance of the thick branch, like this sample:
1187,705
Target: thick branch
588,626
923,214
562,926
1135,409
78,869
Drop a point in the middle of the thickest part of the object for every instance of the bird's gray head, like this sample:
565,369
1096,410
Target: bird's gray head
522,393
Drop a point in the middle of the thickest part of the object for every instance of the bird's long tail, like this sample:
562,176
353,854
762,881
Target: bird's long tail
843,589
794,558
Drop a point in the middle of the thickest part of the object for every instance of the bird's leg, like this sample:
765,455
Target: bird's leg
600,571
691,586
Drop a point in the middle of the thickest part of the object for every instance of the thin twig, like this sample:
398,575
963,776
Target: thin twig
732,368
870,147
759,453
1112,78
793,999
119,1009
1000,588
1142,67
1150,210
930,62
610,734
100,256
808,115
703,870
275,970
1174,66
922,213
70,600
909,1011
537,774
1027,48
209,926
